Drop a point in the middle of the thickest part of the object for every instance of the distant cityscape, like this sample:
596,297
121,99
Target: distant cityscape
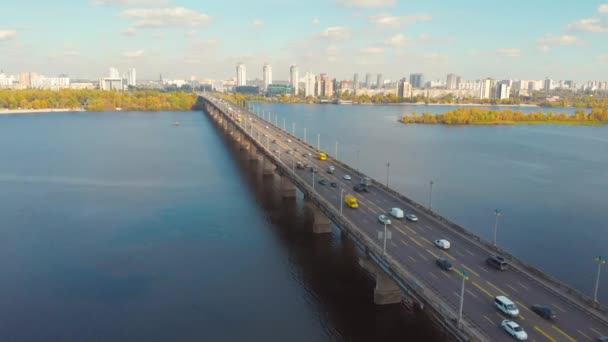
312,85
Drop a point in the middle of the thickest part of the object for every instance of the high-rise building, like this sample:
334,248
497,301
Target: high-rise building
368,80
486,90
404,89
356,81
294,78
114,73
380,81
266,75
26,79
548,84
241,75
324,87
417,81
452,81
309,84
503,91
132,77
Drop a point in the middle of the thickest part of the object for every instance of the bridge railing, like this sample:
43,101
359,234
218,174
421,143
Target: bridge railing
410,282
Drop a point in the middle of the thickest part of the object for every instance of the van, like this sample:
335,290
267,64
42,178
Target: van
396,213
505,305
497,262
351,201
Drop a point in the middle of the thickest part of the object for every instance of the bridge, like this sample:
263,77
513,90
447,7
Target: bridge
404,267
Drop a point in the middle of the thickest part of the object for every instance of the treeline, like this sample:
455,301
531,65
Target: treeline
478,116
96,100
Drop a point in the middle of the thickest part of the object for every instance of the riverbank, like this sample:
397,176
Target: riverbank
35,111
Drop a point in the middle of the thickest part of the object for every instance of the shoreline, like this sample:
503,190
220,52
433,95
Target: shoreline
37,111
526,105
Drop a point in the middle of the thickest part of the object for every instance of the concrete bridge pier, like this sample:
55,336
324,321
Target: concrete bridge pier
288,189
253,154
386,290
321,224
268,168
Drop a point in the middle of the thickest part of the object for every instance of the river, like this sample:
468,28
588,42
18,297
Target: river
124,227
550,183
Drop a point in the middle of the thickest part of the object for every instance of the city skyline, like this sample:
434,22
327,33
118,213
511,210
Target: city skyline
182,38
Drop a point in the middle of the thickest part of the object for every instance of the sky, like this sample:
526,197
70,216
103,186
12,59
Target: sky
516,39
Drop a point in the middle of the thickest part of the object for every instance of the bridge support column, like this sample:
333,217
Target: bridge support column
288,190
322,224
268,169
253,154
386,290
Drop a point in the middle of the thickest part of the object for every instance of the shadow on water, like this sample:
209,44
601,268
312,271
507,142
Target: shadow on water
326,266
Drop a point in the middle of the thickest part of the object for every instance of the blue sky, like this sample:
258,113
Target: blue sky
183,38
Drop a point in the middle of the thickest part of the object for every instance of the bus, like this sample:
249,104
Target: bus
322,156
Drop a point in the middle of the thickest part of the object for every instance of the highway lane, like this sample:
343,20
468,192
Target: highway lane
412,246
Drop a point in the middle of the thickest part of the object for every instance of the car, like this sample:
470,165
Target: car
276,151
543,311
602,339
265,135
300,165
288,152
444,264
506,306
274,141
442,243
295,148
267,127
360,188
513,329
308,154
289,140
313,169
334,184
322,181
347,177
384,219
331,169
497,262
411,217
396,213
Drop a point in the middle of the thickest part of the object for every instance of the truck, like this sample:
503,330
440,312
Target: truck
351,201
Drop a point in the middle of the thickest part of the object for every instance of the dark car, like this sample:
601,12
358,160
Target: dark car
360,188
334,184
497,262
543,311
444,264
602,339
313,169
322,181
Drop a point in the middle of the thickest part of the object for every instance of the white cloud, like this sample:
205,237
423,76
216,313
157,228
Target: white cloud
191,34
372,50
258,23
130,2
332,50
603,9
7,34
133,54
316,22
335,33
130,32
602,58
398,41
66,53
162,17
205,46
389,21
591,25
367,3
545,43
508,52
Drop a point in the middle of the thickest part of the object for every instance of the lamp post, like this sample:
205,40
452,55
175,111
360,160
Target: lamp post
465,277
341,200
497,213
293,164
305,134
431,195
284,124
388,167
313,179
358,159
600,261
293,128
336,151
384,247
318,142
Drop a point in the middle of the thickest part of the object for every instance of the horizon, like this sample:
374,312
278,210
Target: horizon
181,38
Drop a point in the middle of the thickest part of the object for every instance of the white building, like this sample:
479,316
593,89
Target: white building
294,78
132,77
503,91
114,73
548,84
267,75
452,82
469,85
241,75
52,83
486,89
309,84
6,82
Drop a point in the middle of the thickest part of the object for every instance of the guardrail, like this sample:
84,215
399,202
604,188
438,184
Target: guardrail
407,281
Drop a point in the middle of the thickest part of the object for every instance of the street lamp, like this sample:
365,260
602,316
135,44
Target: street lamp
313,179
600,261
336,154
305,134
284,124
341,200
431,195
388,166
293,129
497,213
358,159
384,247
318,142
465,277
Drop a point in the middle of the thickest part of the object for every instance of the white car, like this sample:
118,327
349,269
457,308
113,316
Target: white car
288,140
514,330
267,127
442,243
347,177
396,213
384,219
411,217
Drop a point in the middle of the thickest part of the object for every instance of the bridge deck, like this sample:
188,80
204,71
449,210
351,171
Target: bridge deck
412,247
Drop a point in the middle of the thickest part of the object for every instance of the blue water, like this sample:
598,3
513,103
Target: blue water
549,182
123,227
